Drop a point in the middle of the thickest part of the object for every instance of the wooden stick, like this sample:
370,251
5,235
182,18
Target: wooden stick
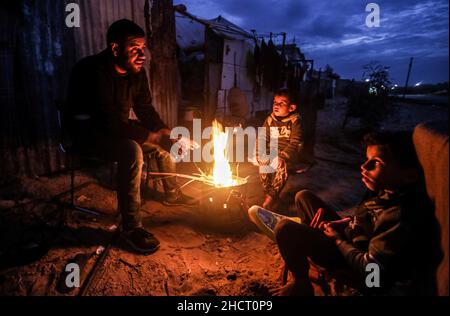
315,221
169,174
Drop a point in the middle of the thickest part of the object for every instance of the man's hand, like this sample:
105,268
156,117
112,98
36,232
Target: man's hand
185,142
185,145
188,144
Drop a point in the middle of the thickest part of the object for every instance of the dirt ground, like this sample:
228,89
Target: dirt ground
204,250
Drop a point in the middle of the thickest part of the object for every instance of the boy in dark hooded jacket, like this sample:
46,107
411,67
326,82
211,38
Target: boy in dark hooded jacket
284,125
393,230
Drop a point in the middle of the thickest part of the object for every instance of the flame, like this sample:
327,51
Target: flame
222,176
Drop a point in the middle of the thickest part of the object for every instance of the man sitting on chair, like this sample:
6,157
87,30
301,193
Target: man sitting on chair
102,90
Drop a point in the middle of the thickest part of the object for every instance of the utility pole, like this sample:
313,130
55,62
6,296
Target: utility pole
284,43
407,77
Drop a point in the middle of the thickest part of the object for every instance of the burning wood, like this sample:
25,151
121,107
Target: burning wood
222,176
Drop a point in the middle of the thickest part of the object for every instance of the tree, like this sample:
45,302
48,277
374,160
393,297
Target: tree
376,101
378,77
370,102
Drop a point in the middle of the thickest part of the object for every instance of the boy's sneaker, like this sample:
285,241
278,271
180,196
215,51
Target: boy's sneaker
141,240
178,198
266,220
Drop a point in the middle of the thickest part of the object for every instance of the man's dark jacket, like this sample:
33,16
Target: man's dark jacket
98,93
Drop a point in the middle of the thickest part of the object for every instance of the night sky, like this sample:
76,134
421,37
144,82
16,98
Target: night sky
334,32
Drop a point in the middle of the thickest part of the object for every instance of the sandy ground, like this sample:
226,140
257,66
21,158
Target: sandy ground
204,250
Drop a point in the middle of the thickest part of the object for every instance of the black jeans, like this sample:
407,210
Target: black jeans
298,242
129,156
165,164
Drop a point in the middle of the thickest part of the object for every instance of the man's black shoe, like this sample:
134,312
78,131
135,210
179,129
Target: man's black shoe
176,199
141,240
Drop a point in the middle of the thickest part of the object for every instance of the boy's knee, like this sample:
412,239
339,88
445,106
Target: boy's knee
303,195
284,229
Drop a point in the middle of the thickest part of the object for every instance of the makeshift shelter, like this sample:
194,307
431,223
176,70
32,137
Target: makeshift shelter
215,57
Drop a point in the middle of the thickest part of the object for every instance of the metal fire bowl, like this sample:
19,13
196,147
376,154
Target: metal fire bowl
221,208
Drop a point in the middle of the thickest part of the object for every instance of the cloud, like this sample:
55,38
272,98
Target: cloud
334,32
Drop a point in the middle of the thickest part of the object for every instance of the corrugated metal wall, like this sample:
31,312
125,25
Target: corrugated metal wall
37,61
37,52
96,16
164,64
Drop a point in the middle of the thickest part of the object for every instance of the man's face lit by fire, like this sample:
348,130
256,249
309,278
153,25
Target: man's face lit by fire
130,56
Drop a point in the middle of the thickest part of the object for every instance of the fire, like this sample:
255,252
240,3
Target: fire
222,176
